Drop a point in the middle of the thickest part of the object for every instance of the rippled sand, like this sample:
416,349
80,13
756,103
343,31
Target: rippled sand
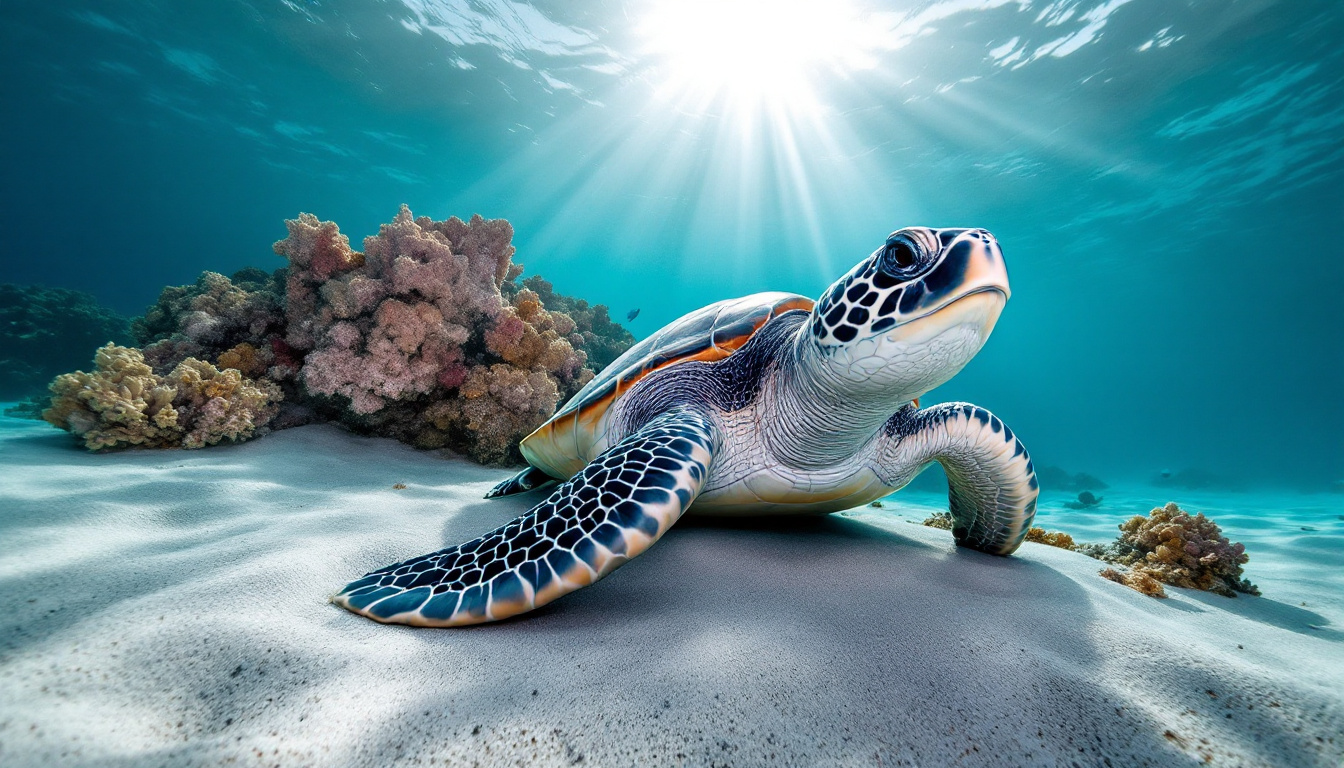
170,608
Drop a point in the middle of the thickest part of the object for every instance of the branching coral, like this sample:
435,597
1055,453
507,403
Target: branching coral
47,331
124,403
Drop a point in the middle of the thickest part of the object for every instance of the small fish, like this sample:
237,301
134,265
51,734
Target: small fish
632,314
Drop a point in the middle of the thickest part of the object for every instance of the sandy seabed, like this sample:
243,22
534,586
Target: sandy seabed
169,608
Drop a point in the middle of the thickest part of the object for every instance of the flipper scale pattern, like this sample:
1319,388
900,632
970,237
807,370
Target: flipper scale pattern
613,510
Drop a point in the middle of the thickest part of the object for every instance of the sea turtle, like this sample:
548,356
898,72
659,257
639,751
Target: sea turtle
767,404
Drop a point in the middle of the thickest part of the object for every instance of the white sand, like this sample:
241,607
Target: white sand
169,608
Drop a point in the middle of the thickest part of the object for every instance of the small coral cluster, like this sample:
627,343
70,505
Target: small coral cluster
47,331
1169,546
603,339
1035,534
425,335
124,403
1050,538
1181,550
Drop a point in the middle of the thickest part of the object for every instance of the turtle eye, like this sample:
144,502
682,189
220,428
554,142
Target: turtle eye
899,256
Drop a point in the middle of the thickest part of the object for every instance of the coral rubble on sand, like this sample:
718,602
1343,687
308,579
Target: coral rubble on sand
123,403
1137,580
1175,548
1035,534
47,331
1169,546
423,336
940,520
1050,538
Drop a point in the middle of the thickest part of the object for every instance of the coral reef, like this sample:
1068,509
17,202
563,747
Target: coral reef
425,336
237,322
417,337
1137,580
124,403
1086,500
1058,479
1180,550
47,331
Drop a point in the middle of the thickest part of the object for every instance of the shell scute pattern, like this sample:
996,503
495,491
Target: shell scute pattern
709,334
584,530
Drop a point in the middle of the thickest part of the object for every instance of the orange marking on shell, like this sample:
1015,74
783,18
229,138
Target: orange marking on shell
581,434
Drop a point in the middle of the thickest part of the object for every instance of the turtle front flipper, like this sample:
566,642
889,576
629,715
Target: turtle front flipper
992,485
529,479
613,510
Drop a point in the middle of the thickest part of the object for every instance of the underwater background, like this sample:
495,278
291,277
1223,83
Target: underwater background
1164,178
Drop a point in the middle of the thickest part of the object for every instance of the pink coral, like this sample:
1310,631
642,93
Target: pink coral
416,336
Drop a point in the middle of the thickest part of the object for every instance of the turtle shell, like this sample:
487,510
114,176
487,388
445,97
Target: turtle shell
574,435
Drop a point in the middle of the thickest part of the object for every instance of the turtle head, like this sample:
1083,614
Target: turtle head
911,315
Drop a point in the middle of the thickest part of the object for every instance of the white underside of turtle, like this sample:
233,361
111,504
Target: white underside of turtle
764,405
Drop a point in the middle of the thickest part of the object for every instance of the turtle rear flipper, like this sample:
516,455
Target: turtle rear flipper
529,479
613,510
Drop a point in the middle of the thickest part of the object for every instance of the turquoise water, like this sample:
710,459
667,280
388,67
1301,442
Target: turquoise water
1164,177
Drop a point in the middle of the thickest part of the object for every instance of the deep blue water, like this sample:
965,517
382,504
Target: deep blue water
1164,176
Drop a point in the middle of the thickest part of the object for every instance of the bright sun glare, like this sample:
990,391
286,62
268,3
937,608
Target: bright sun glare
754,51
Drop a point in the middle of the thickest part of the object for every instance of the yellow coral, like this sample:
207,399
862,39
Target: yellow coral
1050,538
244,359
123,403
